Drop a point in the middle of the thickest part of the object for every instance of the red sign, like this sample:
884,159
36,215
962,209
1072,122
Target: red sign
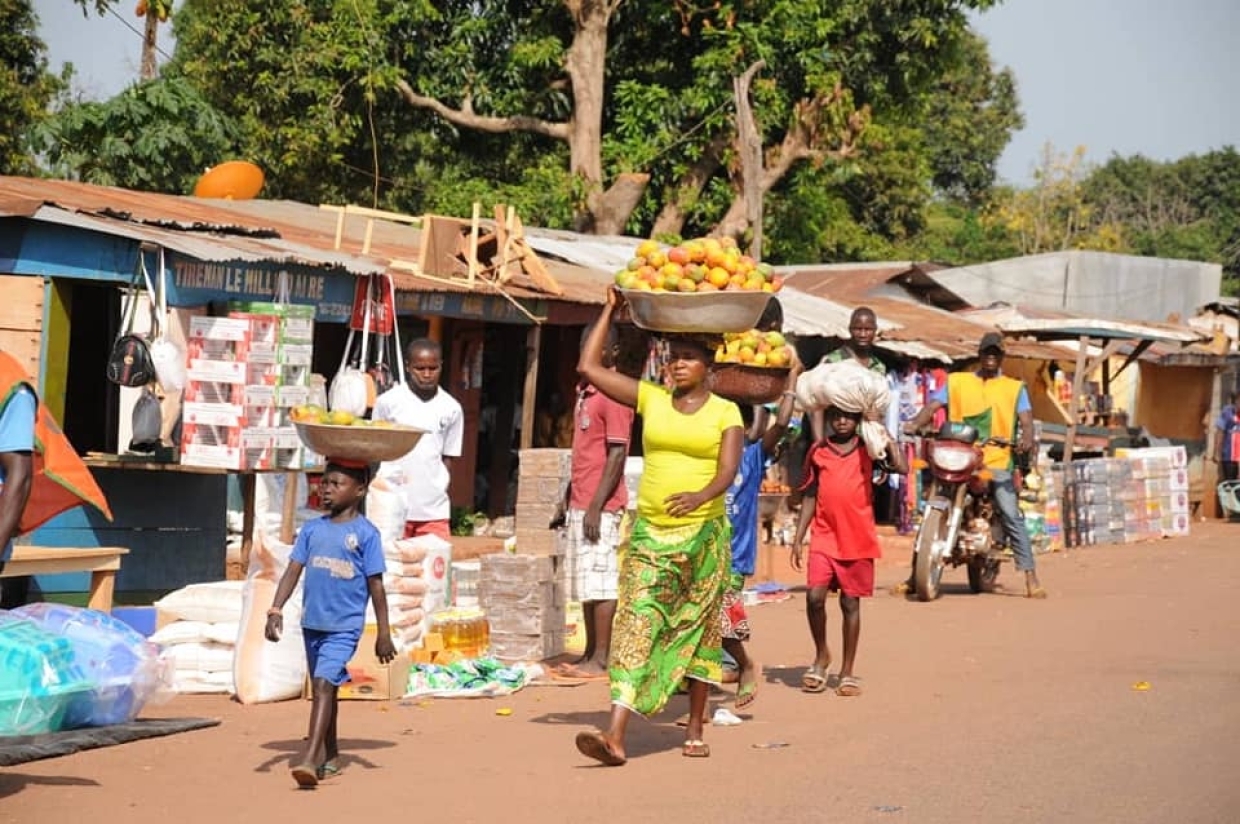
373,289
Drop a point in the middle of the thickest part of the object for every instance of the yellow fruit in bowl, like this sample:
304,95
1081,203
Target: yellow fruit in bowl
340,417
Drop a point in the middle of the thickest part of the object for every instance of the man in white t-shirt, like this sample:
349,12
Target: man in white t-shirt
423,404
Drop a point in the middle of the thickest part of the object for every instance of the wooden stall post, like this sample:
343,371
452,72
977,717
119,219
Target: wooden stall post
533,350
288,512
249,489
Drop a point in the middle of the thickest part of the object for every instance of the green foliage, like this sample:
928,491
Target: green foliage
26,86
157,136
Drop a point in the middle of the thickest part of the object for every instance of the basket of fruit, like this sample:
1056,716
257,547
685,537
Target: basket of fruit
701,285
751,367
341,435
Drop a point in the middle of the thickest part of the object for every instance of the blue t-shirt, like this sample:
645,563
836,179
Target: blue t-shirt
741,503
17,435
1228,424
338,558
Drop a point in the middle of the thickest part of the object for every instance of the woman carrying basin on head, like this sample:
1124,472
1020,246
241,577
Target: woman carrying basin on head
673,575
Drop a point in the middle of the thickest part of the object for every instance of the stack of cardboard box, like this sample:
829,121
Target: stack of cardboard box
524,605
541,484
245,372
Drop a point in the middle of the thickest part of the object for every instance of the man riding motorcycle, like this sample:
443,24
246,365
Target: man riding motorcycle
993,403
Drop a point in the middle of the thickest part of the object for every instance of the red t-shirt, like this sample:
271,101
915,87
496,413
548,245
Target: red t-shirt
598,422
843,494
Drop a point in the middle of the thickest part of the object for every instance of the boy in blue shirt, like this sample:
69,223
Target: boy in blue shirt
741,503
342,555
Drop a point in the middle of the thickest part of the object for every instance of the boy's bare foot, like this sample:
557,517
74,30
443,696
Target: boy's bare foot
1033,587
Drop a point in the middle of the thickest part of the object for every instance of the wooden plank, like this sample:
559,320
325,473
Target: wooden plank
22,307
533,349
42,560
537,272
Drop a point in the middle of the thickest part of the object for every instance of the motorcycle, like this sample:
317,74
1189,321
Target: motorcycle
960,523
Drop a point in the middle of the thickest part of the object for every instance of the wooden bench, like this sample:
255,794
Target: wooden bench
102,562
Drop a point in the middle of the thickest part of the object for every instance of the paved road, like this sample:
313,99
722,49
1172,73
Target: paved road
977,709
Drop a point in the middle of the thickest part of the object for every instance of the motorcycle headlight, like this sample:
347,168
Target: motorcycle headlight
952,459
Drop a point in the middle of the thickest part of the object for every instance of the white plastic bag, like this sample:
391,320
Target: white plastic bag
349,392
167,358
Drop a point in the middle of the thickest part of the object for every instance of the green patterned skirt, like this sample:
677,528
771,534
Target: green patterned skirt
667,624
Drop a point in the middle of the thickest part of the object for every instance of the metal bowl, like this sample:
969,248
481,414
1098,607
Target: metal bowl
726,311
359,443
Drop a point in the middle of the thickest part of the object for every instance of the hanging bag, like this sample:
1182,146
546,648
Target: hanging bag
129,362
167,357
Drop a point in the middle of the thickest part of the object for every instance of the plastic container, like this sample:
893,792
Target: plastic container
123,668
465,631
465,576
39,678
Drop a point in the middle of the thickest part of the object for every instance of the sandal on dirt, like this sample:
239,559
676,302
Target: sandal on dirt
696,749
814,679
329,770
849,687
306,776
1037,593
747,692
595,745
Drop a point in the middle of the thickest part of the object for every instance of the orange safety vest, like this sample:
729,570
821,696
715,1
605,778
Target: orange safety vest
60,479
989,406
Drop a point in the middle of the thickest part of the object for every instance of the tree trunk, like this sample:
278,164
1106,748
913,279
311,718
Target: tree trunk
618,202
586,63
671,219
749,140
149,36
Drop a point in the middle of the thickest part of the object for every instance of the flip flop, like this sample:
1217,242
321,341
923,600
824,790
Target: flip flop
306,776
849,687
814,679
747,693
571,671
1037,593
696,749
329,770
595,745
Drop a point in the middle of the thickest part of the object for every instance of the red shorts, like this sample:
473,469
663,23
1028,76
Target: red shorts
853,578
438,528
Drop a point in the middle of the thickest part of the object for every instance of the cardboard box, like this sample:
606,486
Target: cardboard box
372,681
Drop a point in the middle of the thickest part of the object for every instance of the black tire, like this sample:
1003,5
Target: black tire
926,571
983,571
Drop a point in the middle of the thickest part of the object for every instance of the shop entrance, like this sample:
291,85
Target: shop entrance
91,403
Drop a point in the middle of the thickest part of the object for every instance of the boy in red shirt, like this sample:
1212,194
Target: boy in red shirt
839,480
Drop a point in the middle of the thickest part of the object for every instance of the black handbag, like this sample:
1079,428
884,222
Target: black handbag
129,362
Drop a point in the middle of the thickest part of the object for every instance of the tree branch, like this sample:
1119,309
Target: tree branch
467,118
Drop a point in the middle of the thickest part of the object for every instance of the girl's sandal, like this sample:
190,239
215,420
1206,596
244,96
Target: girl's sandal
696,749
814,679
329,770
849,687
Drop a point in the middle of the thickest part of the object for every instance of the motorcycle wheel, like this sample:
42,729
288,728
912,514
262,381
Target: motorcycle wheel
928,570
983,571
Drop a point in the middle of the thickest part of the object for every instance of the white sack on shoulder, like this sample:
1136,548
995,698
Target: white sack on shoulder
850,386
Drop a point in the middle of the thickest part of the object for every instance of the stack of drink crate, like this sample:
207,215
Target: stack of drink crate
245,373
524,605
1161,472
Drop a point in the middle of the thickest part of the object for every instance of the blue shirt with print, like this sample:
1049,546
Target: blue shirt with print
741,504
338,558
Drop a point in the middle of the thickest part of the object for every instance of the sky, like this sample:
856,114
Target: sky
1121,77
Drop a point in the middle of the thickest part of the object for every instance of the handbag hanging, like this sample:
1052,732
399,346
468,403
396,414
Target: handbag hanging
129,362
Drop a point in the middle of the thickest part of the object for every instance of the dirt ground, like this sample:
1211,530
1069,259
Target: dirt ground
984,708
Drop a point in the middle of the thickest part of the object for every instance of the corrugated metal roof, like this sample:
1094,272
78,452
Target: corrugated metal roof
284,232
905,325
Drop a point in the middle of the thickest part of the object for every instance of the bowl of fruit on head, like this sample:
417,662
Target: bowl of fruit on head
340,434
751,367
701,285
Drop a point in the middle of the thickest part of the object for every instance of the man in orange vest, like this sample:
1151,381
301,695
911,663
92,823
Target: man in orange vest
17,418
994,404
41,475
